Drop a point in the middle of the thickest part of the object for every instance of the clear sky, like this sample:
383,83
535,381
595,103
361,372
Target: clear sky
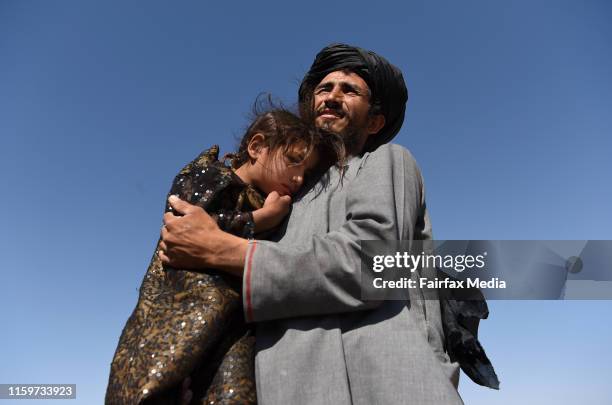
101,103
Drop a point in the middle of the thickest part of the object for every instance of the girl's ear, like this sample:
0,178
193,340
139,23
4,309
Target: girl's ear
256,146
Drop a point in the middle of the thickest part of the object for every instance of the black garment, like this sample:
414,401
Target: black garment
461,313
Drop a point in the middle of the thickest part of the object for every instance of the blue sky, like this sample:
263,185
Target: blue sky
101,103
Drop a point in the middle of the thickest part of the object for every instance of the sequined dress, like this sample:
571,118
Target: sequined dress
189,323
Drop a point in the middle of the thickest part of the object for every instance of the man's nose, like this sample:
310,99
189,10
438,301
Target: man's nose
334,96
332,103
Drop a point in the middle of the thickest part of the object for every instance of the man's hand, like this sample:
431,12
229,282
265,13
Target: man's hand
194,241
275,208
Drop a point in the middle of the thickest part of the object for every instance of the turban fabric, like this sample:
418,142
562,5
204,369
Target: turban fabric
385,81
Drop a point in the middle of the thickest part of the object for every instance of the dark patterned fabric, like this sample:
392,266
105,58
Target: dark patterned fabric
189,323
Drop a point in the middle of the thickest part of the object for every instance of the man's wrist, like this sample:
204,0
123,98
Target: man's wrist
230,255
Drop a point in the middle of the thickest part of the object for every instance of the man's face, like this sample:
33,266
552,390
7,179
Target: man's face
341,105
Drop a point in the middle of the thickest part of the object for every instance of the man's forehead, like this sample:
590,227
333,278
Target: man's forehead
344,76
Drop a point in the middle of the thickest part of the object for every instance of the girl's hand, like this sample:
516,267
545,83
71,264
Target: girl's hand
277,205
275,208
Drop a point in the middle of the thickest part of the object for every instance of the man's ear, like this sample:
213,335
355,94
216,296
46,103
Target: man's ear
376,123
256,146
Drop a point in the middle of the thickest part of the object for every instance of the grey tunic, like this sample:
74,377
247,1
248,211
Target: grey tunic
317,341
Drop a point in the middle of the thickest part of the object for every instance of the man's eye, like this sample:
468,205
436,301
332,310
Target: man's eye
322,89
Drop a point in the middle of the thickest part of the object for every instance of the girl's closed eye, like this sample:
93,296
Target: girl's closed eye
294,159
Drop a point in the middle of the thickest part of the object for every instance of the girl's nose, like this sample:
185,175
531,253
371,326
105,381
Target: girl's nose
298,179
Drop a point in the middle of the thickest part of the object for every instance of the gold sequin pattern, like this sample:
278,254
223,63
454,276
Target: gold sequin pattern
186,322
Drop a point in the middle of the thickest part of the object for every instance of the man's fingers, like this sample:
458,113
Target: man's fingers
169,217
286,198
180,206
162,256
165,235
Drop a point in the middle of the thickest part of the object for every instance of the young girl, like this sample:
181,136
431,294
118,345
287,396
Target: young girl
190,324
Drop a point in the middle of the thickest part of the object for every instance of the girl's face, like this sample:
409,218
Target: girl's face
283,172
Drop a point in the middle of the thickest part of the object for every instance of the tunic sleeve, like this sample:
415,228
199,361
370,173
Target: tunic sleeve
385,201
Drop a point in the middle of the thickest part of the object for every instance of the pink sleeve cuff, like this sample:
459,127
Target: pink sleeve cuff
248,306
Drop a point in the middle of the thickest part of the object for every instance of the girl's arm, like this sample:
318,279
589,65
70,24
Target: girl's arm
274,210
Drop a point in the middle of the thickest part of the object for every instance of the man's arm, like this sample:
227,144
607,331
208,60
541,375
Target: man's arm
385,201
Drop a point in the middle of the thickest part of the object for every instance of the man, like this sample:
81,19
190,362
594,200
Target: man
318,342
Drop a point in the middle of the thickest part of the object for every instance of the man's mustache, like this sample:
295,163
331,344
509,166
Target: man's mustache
330,110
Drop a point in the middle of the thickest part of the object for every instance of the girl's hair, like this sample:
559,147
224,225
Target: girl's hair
281,129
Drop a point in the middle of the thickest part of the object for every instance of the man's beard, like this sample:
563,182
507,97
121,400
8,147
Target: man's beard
350,135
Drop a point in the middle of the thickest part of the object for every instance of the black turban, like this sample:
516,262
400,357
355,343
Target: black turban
386,84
